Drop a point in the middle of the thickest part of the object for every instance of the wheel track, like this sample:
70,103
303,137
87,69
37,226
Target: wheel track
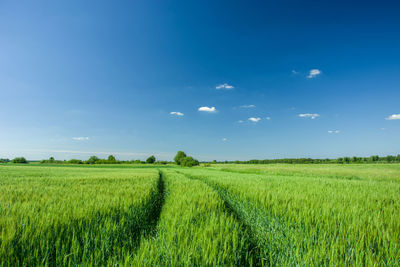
254,249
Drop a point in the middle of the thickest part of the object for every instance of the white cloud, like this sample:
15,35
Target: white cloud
267,118
313,73
224,139
81,138
248,106
295,72
383,129
309,115
207,109
240,121
254,119
176,113
334,131
393,117
224,86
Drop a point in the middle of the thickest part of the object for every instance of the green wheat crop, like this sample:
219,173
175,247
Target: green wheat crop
62,216
311,220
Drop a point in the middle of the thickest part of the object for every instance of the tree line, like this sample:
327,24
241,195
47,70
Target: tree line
343,160
180,159
109,160
187,161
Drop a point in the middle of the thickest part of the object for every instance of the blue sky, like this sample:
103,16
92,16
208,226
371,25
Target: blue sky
286,79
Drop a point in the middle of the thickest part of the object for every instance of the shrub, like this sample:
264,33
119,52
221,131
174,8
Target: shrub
189,162
151,159
111,159
19,160
92,160
75,161
179,156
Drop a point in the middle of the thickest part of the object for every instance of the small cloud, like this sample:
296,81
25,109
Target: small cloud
295,72
254,119
383,129
248,106
267,118
224,86
309,115
393,117
240,121
176,113
224,139
207,109
81,138
334,131
313,73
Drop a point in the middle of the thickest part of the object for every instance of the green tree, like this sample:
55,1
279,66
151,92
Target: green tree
373,158
19,160
390,159
92,160
179,156
151,159
75,161
111,158
189,162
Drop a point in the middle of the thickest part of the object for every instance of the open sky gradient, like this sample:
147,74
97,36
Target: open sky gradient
220,80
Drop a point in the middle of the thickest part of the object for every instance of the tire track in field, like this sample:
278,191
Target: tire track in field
270,235
157,204
253,253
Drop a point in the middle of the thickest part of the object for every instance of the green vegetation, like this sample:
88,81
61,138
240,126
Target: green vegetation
62,216
151,159
180,155
315,220
189,162
182,159
221,215
19,160
195,229
344,160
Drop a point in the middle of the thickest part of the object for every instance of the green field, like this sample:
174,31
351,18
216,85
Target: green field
222,215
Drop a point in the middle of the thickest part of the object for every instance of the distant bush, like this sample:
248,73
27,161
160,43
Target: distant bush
4,160
19,160
75,161
51,160
179,157
182,159
189,162
111,159
151,159
92,160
